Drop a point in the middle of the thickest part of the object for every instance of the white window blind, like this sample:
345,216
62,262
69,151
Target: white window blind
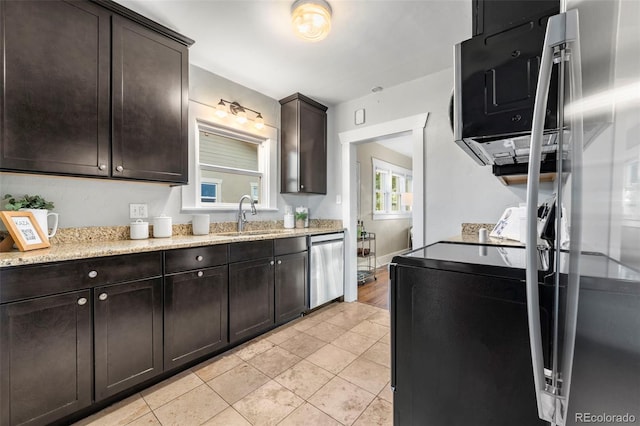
223,151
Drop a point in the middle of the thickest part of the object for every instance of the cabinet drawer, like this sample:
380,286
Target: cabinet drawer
194,258
41,280
289,245
248,250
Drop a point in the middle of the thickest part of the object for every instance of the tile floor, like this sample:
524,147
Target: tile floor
328,368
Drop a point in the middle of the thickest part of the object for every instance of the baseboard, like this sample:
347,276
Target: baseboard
386,259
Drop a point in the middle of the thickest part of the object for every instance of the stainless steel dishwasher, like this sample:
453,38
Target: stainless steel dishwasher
326,281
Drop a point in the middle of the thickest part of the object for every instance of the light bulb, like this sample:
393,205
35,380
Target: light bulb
241,117
221,110
259,122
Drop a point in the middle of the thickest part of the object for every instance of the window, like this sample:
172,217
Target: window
232,159
392,191
210,190
227,162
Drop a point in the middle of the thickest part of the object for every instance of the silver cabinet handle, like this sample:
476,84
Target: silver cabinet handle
82,301
103,296
102,167
271,263
199,258
93,274
200,273
301,186
279,262
119,168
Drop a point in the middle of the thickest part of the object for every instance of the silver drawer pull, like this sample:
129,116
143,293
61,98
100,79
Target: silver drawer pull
82,301
103,296
119,168
200,273
93,274
279,262
199,258
271,263
102,167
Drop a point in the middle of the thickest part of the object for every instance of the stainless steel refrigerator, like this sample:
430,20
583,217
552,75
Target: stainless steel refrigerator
593,375
582,319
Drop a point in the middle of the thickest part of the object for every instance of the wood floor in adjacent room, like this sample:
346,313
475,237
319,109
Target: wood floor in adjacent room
376,292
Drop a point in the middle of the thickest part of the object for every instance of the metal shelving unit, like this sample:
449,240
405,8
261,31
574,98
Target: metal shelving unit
366,246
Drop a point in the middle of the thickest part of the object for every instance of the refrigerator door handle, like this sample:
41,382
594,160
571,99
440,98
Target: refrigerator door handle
577,148
556,36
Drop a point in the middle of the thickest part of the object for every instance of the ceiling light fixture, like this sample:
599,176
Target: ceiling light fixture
311,19
239,111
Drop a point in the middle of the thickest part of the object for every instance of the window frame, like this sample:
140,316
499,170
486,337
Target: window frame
203,117
389,170
210,181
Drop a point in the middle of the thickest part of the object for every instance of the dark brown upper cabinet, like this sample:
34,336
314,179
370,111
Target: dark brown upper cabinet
304,145
55,87
150,105
90,88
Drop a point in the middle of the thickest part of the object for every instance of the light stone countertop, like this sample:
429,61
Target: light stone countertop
90,249
469,235
473,239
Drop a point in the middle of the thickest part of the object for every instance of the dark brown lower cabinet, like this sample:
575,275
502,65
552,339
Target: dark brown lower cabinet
195,315
128,335
251,307
290,286
45,358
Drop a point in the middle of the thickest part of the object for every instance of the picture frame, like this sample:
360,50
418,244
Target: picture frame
24,231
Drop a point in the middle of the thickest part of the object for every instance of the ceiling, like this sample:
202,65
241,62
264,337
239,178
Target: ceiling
372,43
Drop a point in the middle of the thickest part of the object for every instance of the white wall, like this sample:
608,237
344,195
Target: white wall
457,189
97,202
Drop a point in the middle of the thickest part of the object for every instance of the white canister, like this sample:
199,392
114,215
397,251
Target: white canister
200,224
483,235
289,221
139,230
162,226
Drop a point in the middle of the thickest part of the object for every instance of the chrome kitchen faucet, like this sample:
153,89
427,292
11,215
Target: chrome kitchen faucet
242,218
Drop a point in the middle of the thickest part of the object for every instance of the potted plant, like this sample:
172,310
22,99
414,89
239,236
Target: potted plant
36,205
301,217
26,202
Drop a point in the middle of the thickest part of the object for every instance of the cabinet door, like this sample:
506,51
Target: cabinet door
290,286
45,358
250,298
128,335
195,315
313,150
54,59
150,100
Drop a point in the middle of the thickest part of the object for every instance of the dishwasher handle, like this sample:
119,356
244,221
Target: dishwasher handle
326,238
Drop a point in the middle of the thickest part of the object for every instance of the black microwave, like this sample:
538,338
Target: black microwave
496,73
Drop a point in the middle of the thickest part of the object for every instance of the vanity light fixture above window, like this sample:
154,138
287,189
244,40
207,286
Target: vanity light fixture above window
225,107
311,19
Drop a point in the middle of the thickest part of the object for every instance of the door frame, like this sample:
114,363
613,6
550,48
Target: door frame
414,126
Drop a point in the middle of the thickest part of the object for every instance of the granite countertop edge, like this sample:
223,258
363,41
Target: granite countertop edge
87,250
473,239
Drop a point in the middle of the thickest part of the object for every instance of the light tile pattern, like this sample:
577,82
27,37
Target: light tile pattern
329,368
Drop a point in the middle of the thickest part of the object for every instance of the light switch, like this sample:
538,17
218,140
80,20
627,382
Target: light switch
138,211
359,116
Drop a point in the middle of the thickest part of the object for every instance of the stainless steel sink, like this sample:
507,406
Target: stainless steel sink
256,232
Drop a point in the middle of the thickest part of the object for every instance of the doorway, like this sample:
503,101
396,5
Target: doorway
413,127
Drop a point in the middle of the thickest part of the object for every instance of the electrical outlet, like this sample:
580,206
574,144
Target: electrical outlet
138,211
